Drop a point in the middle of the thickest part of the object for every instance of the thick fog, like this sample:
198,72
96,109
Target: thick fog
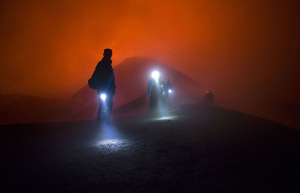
236,48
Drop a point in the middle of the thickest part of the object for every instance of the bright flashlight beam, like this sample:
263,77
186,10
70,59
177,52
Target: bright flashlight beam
170,91
103,96
155,75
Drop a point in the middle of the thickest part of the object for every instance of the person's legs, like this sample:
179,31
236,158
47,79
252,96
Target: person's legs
167,101
155,102
104,110
151,102
164,100
109,107
99,117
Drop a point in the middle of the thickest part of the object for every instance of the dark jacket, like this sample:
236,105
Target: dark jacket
104,77
154,88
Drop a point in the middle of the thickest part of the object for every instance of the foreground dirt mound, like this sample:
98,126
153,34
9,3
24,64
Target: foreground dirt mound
191,148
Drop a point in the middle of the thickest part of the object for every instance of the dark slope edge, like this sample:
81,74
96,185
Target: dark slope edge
132,76
16,109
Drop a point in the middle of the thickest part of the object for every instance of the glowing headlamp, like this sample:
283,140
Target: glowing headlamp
103,97
170,91
155,75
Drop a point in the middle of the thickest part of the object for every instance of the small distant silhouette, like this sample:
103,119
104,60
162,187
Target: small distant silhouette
209,98
163,92
168,88
103,80
155,92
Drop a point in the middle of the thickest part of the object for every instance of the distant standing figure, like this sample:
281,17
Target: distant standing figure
155,90
163,92
103,79
168,89
209,98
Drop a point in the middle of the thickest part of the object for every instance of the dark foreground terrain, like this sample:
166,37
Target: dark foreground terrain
189,149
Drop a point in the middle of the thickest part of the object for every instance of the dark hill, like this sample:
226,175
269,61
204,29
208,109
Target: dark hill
284,113
139,105
132,76
18,108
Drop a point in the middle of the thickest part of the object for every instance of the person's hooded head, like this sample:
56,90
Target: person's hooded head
107,54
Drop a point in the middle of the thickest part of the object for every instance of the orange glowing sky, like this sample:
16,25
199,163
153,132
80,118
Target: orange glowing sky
50,48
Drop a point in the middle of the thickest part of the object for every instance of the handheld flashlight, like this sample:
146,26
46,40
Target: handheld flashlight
103,97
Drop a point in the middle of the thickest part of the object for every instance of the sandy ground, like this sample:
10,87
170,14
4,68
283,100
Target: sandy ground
188,149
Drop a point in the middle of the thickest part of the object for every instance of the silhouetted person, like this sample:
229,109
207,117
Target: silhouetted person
163,92
209,98
163,84
155,92
103,79
168,88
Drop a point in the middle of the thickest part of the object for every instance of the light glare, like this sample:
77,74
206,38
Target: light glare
103,96
155,75
166,118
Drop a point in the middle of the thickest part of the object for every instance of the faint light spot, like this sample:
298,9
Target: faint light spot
165,118
109,142
110,145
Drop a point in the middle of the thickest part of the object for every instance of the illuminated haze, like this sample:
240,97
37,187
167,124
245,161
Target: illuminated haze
50,48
